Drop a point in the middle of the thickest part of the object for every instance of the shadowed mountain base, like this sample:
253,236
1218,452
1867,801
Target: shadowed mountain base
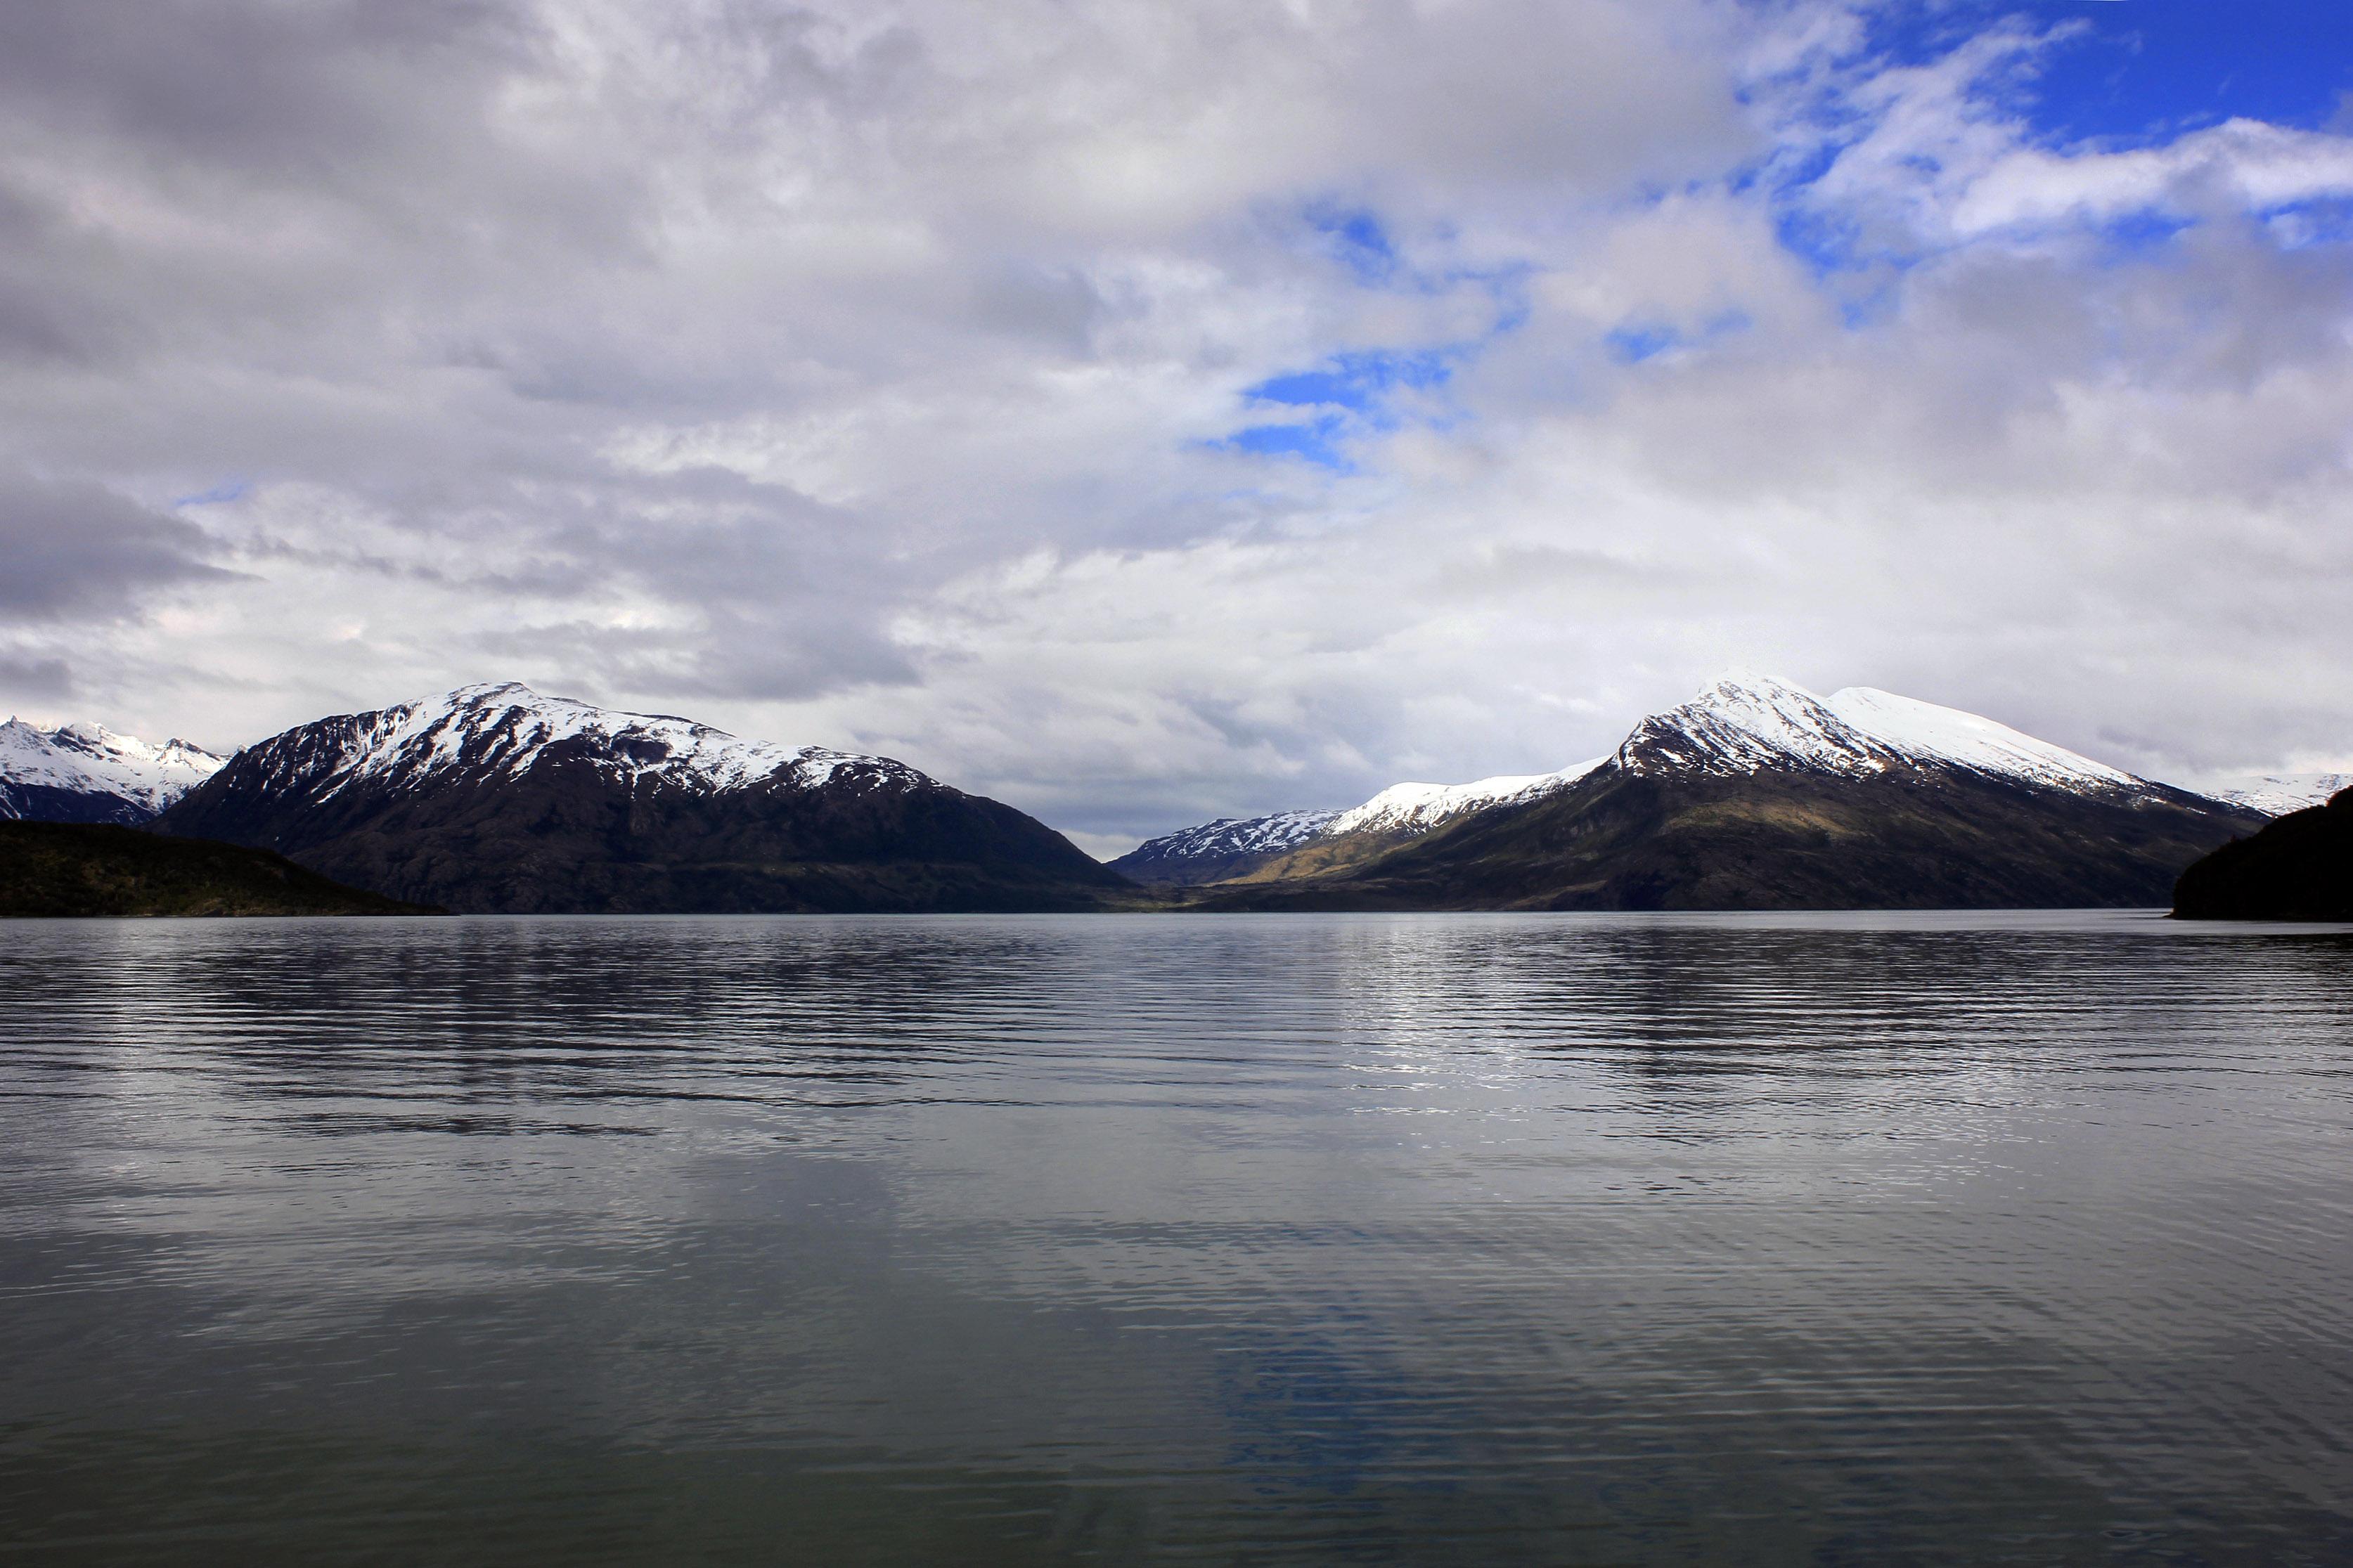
53,868
2300,868
1620,841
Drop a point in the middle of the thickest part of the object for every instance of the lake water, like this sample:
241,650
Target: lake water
1186,1238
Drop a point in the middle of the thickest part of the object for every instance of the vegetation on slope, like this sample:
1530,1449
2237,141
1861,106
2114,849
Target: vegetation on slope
49,869
2299,868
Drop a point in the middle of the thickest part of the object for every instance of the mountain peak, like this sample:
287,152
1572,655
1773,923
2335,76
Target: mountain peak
477,691
1743,721
492,797
500,730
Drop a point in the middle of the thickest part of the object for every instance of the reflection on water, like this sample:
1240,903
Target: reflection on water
1637,1239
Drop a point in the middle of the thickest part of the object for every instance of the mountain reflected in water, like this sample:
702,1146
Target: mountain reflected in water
1266,1239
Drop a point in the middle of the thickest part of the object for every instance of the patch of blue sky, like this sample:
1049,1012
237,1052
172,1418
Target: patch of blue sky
1360,381
1831,242
219,495
2138,71
2322,220
2115,73
1359,240
1317,441
1636,341
1633,342
1360,388
2138,233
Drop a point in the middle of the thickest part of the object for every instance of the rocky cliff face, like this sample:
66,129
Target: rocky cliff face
496,799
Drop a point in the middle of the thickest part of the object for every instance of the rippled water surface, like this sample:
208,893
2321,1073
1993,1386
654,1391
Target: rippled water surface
1261,1240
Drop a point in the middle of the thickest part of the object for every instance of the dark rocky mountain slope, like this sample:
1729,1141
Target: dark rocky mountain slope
2298,867
51,868
495,799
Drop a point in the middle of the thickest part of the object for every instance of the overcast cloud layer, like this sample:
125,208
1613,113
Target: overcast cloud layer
1144,412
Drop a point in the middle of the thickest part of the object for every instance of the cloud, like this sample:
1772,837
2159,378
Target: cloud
36,677
75,549
887,378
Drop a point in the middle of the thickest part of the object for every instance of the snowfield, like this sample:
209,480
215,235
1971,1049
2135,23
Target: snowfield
90,760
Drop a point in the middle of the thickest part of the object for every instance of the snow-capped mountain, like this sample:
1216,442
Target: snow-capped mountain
84,772
1744,723
1229,846
504,730
1419,808
1741,726
1226,847
2277,794
1255,835
494,798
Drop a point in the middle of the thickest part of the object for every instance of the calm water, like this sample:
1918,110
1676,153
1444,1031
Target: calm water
1260,1239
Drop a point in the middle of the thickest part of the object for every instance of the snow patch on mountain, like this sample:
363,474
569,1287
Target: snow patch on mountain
505,729
2277,794
1229,836
1923,733
90,760
1745,724
1419,808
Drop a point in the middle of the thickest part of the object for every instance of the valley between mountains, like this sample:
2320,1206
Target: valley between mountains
1756,793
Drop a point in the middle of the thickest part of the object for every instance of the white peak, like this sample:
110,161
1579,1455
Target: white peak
504,727
2277,794
1741,683
1745,724
1745,721
476,693
90,759
1241,836
1923,732
1419,808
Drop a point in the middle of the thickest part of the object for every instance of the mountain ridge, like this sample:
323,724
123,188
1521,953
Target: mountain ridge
493,798
86,772
1755,750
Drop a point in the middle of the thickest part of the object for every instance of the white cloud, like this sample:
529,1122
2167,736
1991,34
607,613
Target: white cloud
864,374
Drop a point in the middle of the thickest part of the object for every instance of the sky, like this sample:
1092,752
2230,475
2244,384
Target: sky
1142,412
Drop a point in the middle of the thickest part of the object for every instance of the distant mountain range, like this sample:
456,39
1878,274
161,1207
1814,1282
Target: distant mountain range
1756,793
80,773
2277,794
495,799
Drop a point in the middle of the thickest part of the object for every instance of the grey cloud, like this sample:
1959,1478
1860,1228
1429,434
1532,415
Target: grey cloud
35,677
74,549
